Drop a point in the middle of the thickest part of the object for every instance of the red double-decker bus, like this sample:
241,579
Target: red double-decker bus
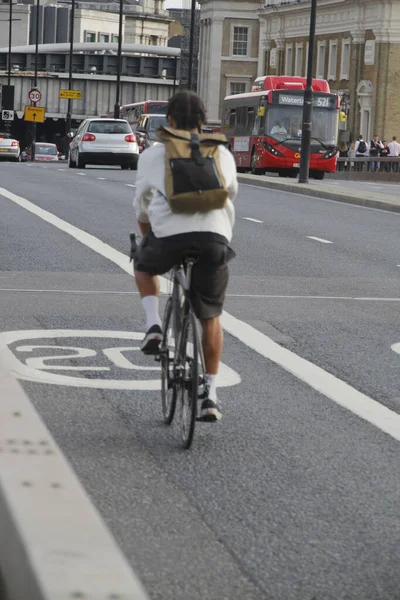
133,112
264,127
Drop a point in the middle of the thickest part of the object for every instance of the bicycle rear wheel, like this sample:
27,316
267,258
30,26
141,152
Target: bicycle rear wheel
189,382
167,354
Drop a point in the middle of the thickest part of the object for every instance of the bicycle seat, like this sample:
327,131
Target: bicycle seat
192,254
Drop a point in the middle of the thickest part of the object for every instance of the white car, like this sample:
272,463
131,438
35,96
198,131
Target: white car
9,148
104,142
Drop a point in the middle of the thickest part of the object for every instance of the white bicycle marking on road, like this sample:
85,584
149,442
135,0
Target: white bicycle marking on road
317,378
37,370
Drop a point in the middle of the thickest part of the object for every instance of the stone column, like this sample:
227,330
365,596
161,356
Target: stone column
356,64
214,75
201,59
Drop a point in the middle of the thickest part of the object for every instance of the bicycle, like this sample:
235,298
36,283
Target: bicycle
181,352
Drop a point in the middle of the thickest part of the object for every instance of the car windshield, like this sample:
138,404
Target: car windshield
41,149
285,123
156,122
109,127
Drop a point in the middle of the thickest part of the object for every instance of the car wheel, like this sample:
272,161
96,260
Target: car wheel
79,162
124,167
133,166
71,163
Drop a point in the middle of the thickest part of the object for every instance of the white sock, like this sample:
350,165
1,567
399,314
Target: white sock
150,305
211,383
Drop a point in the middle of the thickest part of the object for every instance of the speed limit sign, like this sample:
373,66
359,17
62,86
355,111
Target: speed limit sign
35,96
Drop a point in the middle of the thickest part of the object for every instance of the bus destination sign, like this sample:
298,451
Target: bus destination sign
297,100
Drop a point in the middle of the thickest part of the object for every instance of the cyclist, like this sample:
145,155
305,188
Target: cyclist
166,235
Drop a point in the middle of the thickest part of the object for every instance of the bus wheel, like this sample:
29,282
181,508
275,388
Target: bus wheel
255,170
283,174
318,174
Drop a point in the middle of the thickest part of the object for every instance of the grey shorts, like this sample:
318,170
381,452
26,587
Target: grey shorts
210,273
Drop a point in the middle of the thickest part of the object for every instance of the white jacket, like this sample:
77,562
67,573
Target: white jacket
151,205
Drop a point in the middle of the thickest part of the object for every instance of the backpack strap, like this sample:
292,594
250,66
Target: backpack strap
195,148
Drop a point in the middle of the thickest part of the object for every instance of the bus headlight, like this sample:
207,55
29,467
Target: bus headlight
272,150
330,154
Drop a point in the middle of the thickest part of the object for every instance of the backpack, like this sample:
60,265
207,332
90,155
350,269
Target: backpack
362,147
193,177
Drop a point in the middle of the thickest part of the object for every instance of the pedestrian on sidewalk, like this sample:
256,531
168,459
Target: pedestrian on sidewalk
375,147
362,149
394,148
384,153
343,153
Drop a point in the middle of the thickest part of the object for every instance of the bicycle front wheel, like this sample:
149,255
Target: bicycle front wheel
189,382
167,354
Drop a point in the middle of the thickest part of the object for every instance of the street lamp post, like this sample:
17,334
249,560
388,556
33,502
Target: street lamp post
9,44
35,81
119,64
191,44
71,56
308,102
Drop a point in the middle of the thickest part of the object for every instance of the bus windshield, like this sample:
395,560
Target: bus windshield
157,108
284,123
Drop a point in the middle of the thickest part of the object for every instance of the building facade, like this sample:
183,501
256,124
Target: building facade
357,49
229,50
146,23
179,37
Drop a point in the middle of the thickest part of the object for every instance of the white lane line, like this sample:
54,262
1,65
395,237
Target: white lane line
266,296
317,378
317,239
130,185
102,178
84,174
61,169
251,219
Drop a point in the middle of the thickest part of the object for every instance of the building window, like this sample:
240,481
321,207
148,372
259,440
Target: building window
345,62
298,68
321,60
115,38
90,36
240,41
153,40
237,87
332,63
289,60
104,37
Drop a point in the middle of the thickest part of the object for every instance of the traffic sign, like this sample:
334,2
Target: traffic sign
34,114
35,96
71,94
7,115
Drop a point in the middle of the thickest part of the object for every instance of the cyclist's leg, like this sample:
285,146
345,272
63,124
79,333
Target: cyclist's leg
152,258
210,280
212,342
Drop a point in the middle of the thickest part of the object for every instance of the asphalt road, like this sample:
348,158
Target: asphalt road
291,496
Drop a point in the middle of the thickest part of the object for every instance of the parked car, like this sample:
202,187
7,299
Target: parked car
146,130
43,152
9,148
104,142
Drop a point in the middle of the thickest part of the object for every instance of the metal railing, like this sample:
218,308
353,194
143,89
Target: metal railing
369,164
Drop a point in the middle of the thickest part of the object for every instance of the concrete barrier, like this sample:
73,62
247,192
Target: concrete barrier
53,542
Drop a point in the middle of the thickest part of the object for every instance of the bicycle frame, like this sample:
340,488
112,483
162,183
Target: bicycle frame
181,283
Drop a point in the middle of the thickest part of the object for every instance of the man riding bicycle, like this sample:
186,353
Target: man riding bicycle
167,235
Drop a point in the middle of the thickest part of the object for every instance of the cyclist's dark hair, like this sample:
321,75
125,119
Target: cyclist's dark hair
187,110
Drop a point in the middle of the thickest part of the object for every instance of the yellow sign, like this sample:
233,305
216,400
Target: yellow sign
261,111
71,94
34,114
297,155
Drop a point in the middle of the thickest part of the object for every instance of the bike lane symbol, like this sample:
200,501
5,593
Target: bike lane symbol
39,368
